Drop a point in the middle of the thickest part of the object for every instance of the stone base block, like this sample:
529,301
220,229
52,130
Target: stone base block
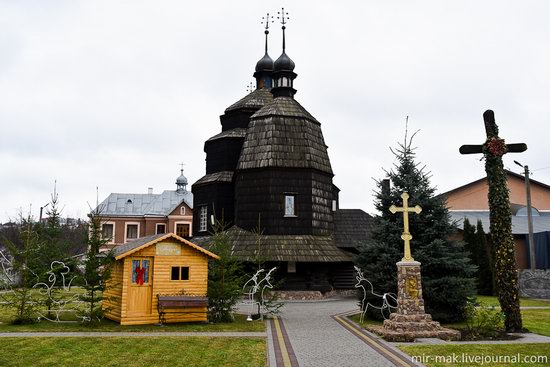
410,336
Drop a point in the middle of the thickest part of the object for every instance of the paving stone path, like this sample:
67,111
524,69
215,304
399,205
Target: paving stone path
318,340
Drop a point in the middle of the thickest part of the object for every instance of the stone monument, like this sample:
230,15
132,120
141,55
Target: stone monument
411,321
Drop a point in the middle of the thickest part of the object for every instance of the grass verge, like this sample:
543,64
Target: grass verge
524,302
490,355
240,324
114,351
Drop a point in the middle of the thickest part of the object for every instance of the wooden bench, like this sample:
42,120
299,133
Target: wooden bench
179,302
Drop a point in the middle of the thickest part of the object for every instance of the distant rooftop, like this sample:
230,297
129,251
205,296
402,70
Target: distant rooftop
118,204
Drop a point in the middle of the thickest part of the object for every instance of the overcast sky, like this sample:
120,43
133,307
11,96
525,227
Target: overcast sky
115,94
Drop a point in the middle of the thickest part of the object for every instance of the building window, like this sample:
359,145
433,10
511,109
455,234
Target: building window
107,231
182,210
179,273
132,231
291,267
334,205
161,228
182,230
203,219
290,208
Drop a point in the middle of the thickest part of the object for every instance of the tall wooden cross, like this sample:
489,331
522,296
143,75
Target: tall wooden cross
491,129
500,217
406,236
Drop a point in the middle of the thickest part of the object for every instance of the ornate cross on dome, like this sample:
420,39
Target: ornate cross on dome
283,17
181,165
406,236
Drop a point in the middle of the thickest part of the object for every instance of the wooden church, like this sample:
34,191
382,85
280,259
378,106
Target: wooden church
269,168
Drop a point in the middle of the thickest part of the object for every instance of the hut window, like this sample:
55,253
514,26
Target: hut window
203,219
140,271
161,228
180,273
290,209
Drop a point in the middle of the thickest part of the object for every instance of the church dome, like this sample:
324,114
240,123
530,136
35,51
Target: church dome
284,63
181,180
265,63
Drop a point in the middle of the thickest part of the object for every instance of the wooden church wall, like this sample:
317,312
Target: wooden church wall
236,119
263,191
218,195
222,154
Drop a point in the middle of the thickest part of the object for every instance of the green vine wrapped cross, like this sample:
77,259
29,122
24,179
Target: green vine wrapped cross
505,270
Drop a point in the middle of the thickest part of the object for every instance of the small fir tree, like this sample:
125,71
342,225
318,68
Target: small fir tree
20,277
475,241
97,270
225,277
447,274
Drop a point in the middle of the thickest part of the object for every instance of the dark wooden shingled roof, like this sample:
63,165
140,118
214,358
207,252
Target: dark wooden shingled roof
351,227
255,100
284,134
233,133
301,248
223,176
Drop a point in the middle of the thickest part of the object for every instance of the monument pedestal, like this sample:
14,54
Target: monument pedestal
411,321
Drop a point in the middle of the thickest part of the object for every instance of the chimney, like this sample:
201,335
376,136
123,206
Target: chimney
150,190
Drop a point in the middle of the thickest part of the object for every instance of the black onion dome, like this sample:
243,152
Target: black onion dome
284,63
265,63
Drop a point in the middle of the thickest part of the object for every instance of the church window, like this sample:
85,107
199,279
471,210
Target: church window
161,228
203,219
291,267
290,208
334,205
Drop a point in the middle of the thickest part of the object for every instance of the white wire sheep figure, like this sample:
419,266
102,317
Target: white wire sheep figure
389,300
252,286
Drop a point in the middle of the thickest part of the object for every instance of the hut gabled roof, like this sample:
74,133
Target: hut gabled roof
138,244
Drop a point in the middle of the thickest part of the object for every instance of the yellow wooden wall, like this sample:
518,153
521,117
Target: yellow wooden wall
113,293
161,272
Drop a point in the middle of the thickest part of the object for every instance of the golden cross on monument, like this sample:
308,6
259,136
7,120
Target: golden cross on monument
406,236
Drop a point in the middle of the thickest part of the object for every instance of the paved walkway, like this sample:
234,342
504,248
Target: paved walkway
319,340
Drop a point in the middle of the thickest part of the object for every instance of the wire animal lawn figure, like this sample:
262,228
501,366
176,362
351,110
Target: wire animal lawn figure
58,280
251,288
389,300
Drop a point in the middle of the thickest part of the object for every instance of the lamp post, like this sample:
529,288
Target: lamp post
41,209
529,216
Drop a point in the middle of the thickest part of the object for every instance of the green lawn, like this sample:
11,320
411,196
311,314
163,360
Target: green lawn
138,352
488,353
240,324
524,302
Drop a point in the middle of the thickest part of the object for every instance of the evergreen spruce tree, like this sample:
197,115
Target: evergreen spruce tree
475,242
225,277
20,277
97,270
447,274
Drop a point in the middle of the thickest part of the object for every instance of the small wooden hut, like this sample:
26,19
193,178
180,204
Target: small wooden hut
160,278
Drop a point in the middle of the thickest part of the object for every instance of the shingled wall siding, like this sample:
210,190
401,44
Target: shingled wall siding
222,154
262,192
218,195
